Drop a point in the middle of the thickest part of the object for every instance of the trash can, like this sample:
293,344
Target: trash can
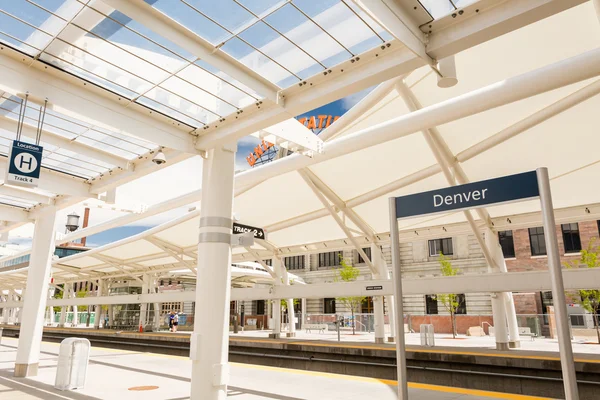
73,357
427,337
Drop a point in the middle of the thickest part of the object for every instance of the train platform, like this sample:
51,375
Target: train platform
122,374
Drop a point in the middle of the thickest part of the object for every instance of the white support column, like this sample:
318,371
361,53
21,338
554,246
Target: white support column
38,278
111,316
51,292
498,301
389,300
597,7
509,304
75,320
98,314
290,305
144,306
277,303
209,347
378,300
304,312
20,309
63,314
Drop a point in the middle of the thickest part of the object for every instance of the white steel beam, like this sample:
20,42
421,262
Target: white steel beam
170,29
338,220
479,24
24,194
138,168
60,141
530,281
76,98
13,214
391,16
56,182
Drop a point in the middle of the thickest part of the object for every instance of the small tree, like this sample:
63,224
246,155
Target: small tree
81,294
58,294
349,273
589,299
451,302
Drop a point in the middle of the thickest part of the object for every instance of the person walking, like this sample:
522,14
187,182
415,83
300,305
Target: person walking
171,316
175,322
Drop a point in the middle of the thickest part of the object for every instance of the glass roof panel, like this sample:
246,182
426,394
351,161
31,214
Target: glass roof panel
257,61
301,30
270,43
87,44
261,7
340,20
437,8
229,92
222,75
133,44
180,104
226,13
65,9
199,96
285,41
191,19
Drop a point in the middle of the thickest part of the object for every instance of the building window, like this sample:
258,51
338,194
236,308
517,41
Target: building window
507,243
162,282
294,262
168,307
367,251
431,304
571,238
366,306
329,306
331,259
537,241
546,298
462,304
260,307
269,262
437,246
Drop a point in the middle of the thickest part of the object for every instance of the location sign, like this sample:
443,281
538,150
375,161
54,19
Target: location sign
472,195
25,163
258,233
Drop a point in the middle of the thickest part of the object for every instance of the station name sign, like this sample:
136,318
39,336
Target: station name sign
506,189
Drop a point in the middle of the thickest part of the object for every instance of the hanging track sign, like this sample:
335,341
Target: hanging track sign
25,164
506,189
258,233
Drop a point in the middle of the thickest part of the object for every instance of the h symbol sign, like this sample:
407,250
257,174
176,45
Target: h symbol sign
25,163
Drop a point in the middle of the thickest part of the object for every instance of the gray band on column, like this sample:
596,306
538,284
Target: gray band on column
214,237
216,221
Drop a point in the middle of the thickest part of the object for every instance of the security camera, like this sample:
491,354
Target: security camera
159,158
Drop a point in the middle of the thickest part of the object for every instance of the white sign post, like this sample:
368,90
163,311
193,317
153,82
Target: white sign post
519,187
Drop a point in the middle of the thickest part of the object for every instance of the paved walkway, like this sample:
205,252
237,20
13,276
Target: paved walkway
114,374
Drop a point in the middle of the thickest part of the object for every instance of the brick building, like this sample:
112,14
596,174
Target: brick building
524,250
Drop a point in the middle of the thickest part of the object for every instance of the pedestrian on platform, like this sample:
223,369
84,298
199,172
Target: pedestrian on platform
175,322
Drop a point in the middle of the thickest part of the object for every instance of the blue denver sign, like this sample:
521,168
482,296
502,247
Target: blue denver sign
472,195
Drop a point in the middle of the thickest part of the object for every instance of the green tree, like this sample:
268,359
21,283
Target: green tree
58,294
451,302
349,273
81,294
589,299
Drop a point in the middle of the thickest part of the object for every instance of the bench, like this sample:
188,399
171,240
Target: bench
526,331
317,327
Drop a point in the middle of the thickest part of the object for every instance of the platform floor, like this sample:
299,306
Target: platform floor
114,374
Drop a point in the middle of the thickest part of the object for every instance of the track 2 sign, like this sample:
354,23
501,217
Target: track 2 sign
258,233
25,164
